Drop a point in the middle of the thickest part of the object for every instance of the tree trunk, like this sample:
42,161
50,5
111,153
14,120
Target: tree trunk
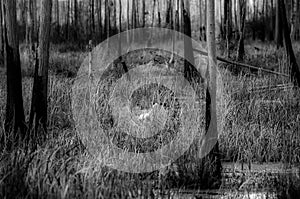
153,13
133,15
158,14
201,29
143,13
1,40
128,15
57,18
295,69
188,47
15,119
226,7
76,21
113,7
92,17
271,29
211,163
128,21
278,29
294,19
193,171
242,17
254,21
38,113
100,20
107,19
169,14
120,16
263,29
68,21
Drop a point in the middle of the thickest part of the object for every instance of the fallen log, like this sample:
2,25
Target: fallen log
242,64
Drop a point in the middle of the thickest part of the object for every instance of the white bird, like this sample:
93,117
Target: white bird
149,113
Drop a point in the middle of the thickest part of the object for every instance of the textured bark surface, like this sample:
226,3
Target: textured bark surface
38,114
295,69
193,171
15,119
279,26
242,18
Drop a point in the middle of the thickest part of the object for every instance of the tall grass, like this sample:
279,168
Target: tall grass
253,126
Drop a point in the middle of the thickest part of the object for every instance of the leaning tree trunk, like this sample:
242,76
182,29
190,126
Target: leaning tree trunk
15,119
295,69
38,113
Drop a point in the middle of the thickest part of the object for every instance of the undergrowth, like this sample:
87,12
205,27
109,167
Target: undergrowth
256,126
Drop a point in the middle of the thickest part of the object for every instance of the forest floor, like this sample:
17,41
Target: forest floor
259,127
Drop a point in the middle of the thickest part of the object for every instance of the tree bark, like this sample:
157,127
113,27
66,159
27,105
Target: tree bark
133,22
107,19
158,14
271,29
143,13
242,18
99,14
57,18
278,29
189,69
295,69
38,113
76,21
15,119
68,21
193,171
92,17
1,40
169,14
153,13
212,174
294,19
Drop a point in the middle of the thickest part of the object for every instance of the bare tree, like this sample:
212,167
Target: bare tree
15,119
294,19
38,113
99,14
158,14
107,19
242,18
1,39
212,160
169,14
75,33
278,29
153,12
295,69
134,17
143,13
189,70
271,29
68,21
57,17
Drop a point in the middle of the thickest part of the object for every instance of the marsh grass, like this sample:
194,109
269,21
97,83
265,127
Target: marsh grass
253,126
